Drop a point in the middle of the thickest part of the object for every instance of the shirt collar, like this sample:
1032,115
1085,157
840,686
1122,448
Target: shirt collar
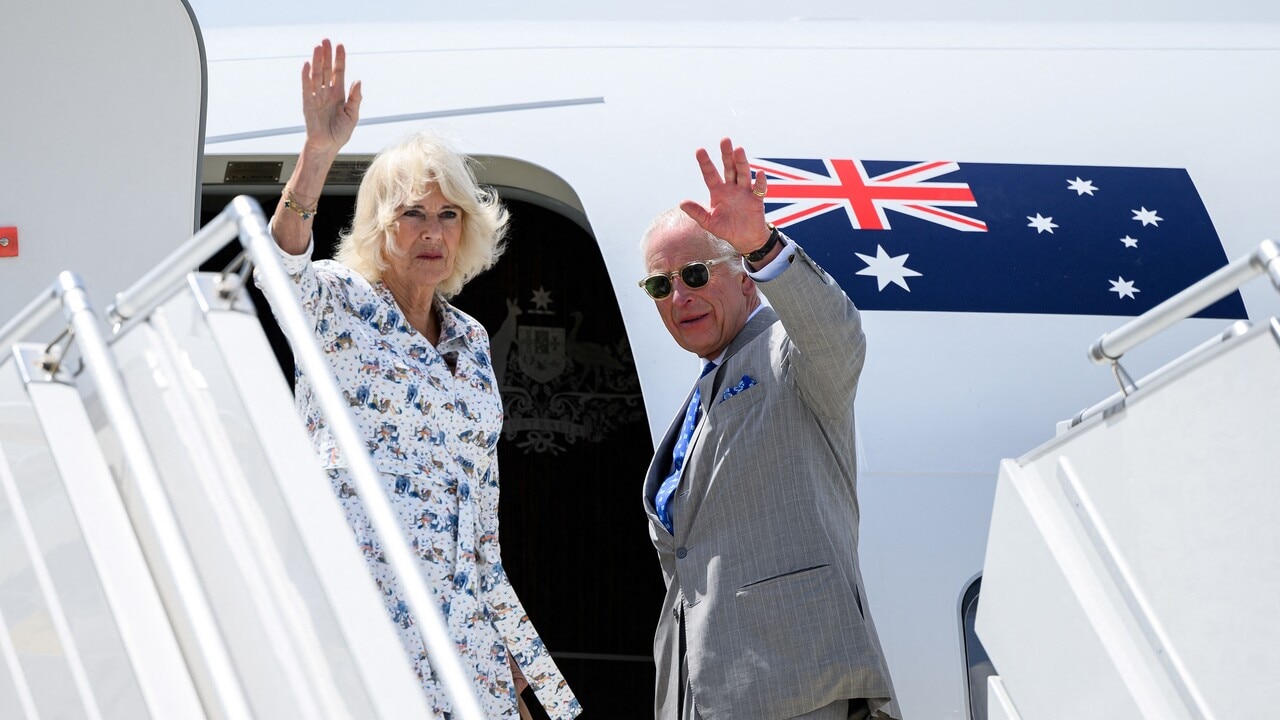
720,358
453,328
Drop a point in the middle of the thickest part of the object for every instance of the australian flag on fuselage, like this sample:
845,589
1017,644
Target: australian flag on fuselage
984,237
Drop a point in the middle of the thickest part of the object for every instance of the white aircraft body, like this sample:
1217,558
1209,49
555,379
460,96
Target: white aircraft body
927,141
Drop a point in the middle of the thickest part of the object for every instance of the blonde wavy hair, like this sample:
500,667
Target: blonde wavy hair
399,176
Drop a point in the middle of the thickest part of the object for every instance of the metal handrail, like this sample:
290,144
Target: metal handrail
1234,330
161,538
1113,345
141,297
245,215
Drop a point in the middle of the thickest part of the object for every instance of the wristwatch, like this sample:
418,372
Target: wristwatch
775,237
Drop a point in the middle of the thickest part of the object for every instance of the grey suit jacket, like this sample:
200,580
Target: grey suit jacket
763,566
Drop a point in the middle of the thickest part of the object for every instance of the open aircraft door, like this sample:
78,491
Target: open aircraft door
117,596
103,127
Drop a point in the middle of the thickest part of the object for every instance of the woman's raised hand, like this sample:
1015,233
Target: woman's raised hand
331,113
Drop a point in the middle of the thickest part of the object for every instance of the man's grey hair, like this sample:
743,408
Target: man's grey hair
675,218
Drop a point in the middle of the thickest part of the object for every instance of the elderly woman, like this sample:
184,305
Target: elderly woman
417,374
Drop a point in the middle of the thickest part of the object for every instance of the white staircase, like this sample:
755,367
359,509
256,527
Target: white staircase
1133,562
169,545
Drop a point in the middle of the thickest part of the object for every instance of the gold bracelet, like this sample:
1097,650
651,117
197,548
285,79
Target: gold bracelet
292,203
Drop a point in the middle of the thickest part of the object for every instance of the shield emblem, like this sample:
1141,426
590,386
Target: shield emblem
541,352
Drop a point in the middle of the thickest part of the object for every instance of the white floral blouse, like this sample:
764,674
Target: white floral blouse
433,435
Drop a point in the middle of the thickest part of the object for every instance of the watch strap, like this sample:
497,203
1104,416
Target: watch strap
774,238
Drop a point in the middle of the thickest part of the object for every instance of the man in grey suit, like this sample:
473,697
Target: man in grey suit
751,495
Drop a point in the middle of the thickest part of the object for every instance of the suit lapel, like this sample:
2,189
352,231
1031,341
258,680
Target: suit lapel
712,383
758,324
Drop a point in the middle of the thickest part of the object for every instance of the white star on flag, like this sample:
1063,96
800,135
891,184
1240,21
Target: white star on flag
887,269
1081,186
1041,224
1124,288
1129,241
1148,217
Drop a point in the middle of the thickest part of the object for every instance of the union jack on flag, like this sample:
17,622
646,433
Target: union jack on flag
998,237
796,194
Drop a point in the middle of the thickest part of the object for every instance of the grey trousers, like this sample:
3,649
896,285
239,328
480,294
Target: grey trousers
838,710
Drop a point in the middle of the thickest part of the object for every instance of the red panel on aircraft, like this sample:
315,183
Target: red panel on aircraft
8,242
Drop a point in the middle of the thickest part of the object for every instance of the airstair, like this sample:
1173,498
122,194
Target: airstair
1133,562
169,545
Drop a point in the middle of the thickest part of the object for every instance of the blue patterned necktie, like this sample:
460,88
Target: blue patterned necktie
662,502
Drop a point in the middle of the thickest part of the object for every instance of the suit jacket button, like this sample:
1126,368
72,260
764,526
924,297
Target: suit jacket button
681,552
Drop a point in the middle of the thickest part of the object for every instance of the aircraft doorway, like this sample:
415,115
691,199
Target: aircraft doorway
574,448
573,455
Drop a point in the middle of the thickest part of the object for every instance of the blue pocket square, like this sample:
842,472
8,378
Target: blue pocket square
745,383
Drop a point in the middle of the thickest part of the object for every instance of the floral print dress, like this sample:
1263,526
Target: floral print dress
433,433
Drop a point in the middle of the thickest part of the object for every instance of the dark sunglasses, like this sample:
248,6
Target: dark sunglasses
694,275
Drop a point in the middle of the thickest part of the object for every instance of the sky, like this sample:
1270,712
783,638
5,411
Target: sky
230,13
